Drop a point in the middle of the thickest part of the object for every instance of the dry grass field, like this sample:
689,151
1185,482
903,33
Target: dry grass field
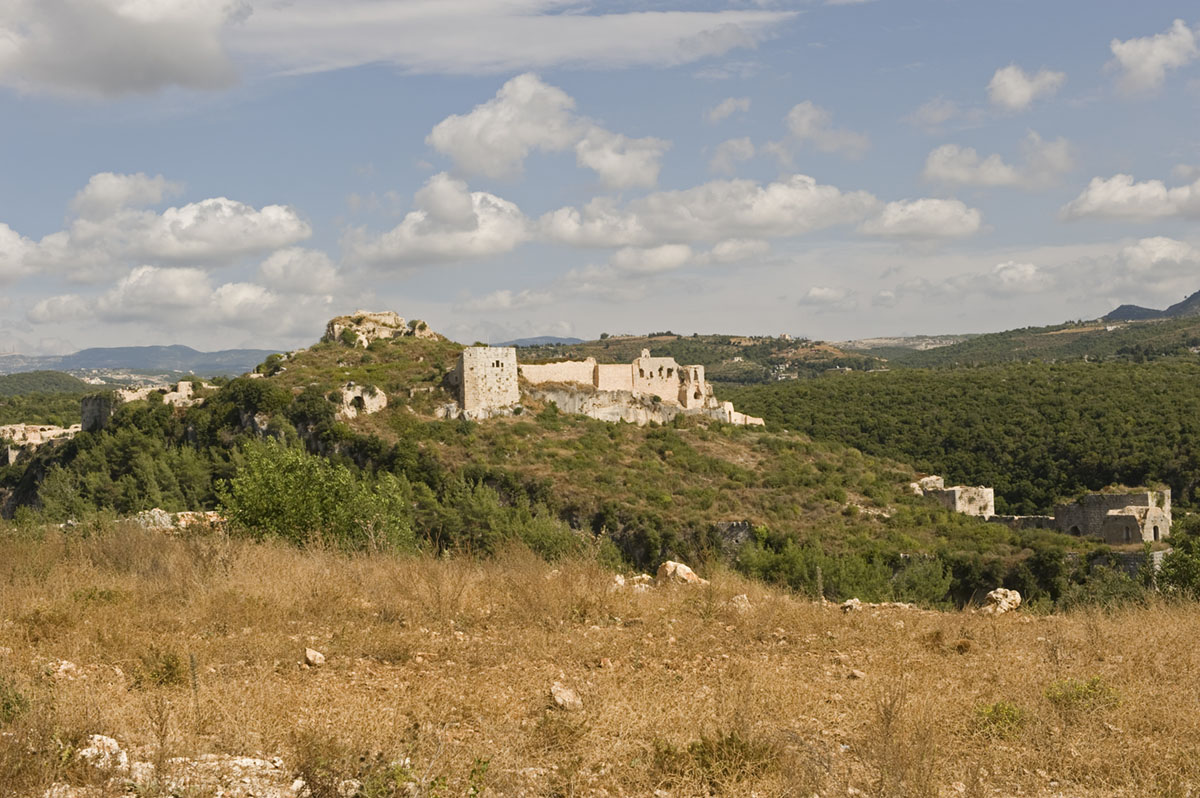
438,676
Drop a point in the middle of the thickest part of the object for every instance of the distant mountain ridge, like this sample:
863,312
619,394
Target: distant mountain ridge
541,340
151,359
1180,310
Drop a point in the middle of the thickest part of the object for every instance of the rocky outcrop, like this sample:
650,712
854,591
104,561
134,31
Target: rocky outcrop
360,400
364,326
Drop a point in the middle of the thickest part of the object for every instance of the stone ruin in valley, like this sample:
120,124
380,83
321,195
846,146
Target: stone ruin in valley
1116,517
489,382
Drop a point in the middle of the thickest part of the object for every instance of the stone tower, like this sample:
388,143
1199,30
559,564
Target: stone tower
487,379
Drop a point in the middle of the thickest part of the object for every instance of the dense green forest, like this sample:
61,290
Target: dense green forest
1035,432
41,382
1079,340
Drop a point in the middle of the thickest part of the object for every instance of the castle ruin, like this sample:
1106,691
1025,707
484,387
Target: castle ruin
648,389
1142,516
363,327
1116,517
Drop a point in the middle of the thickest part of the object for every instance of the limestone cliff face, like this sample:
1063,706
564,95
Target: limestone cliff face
364,326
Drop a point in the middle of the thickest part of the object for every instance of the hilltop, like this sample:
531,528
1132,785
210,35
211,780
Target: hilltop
1187,308
152,360
1077,340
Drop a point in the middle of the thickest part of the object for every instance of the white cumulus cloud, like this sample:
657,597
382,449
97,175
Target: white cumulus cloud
924,219
528,115
1119,197
450,223
1150,252
112,229
1013,89
296,270
507,299
116,47
720,209
1044,162
727,108
810,124
730,153
106,193
1143,62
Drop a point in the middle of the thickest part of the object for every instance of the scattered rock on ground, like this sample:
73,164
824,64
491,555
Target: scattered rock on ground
565,698
851,605
1000,601
313,658
677,572
740,602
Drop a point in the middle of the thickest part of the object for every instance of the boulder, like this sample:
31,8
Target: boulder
678,573
155,519
851,605
313,658
740,602
104,753
1000,601
565,698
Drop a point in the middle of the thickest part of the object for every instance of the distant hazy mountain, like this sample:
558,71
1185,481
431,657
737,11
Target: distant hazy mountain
145,359
1188,307
541,340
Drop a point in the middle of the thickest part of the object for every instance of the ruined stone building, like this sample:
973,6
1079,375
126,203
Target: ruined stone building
487,380
977,501
1141,516
362,327
648,389
19,438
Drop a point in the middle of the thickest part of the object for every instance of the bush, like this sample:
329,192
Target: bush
1002,719
13,703
1073,695
287,493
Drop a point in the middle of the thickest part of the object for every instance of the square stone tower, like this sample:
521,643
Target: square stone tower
487,379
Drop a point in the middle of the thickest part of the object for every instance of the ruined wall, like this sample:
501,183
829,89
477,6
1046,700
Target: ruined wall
614,377
578,371
487,379
609,406
1135,525
694,391
1087,516
727,414
656,376
976,501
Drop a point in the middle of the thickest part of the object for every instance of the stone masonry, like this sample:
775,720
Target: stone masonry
487,380
648,389
365,326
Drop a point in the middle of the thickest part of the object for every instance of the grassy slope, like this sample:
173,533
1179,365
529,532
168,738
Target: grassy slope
448,663
676,480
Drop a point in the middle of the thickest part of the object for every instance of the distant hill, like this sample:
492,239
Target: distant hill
41,382
541,340
145,359
1093,340
1180,310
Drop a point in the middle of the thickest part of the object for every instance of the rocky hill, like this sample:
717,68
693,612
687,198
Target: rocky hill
1186,308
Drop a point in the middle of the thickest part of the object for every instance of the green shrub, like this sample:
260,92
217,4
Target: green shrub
13,703
1073,695
287,493
1002,719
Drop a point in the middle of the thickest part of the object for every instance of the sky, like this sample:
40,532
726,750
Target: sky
229,173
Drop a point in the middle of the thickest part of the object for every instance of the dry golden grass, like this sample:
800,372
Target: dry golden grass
448,663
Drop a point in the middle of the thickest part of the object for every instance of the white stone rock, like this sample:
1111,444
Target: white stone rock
104,753
740,602
313,658
1000,601
565,698
851,605
677,572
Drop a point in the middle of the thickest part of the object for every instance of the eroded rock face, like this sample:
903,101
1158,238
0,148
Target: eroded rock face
1000,601
361,400
364,326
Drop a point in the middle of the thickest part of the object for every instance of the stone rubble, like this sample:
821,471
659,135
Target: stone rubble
1000,601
